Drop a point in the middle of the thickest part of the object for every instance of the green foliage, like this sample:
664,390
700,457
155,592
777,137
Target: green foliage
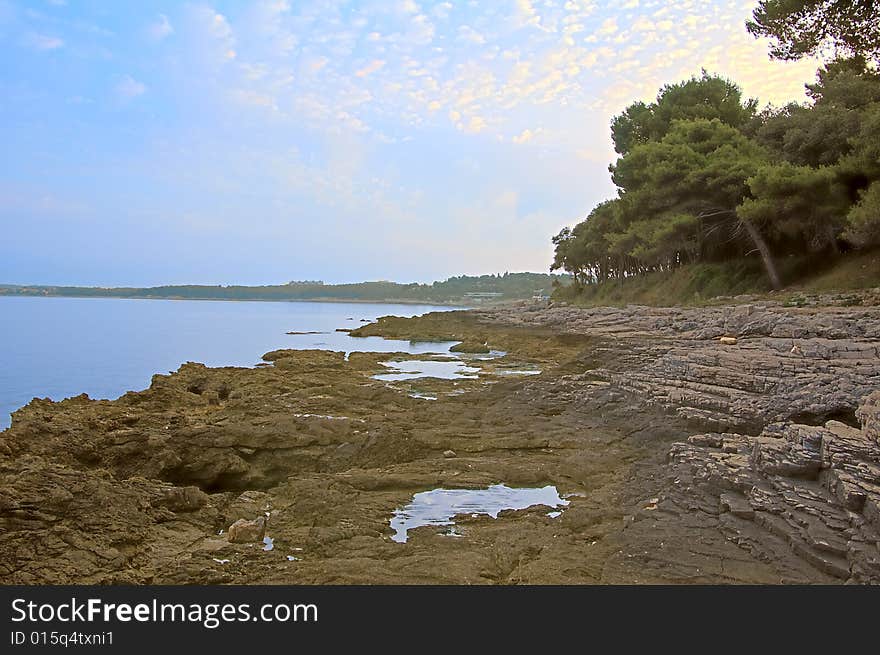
704,283
808,27
862,165
799,204
846,84
511,286
703,179
706,97
677,201
822,134
585,250
693,283
863,220
817,136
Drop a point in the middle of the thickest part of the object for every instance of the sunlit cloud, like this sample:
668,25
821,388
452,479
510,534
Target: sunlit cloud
372,67
408,116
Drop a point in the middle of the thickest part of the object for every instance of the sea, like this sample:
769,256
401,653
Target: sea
53,347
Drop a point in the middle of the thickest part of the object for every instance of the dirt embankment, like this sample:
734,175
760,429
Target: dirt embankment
683,459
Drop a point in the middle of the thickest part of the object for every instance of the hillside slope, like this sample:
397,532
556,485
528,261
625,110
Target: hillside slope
703,283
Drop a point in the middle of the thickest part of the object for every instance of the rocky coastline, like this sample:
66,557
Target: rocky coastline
734,443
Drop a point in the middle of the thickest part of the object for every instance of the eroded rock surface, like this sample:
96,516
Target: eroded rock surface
812,490
684,459
813,363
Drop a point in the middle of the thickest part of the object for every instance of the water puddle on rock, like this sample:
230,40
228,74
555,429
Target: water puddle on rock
415,369
268,543
441,506
492,354
522,371
329,417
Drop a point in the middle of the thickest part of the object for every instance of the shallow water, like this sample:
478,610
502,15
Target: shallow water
441,506
61,347
452,369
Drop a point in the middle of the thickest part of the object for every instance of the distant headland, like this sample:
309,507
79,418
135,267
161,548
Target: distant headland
458,290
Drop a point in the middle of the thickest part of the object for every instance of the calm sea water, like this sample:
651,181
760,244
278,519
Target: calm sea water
61,347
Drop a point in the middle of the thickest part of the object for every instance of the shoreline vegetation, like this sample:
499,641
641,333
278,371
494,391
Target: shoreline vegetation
454,291
729,282
740,198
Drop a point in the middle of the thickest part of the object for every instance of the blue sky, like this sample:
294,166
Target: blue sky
258,142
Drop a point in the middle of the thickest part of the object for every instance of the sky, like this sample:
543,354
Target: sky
259,142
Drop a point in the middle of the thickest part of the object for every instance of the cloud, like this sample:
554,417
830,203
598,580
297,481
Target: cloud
160,28
372,67
442,10
208,38
469,34
390,71
475,125
421,30
271,30
526,13
43,42
391,81
526,135
128,88
316,64
608,27
409,7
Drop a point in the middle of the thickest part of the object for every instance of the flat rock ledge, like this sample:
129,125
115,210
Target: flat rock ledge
815,490
787,464
811,364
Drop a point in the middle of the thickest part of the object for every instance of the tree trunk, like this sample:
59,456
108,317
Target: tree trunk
766,256
832,238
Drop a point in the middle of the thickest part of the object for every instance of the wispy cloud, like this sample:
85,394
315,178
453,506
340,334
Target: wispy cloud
160,28
128,88
43,41
416,118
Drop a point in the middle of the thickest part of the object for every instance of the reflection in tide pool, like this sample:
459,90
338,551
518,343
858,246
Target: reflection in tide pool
440,506
414,369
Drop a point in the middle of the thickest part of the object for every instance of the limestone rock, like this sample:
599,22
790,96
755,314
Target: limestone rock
669,356
779,482
244,531
472,346
815,488
869,415
182,499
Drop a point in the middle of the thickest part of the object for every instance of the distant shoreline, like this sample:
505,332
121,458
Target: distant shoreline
460,291
438,303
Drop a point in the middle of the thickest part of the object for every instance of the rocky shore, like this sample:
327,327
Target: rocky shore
737,443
